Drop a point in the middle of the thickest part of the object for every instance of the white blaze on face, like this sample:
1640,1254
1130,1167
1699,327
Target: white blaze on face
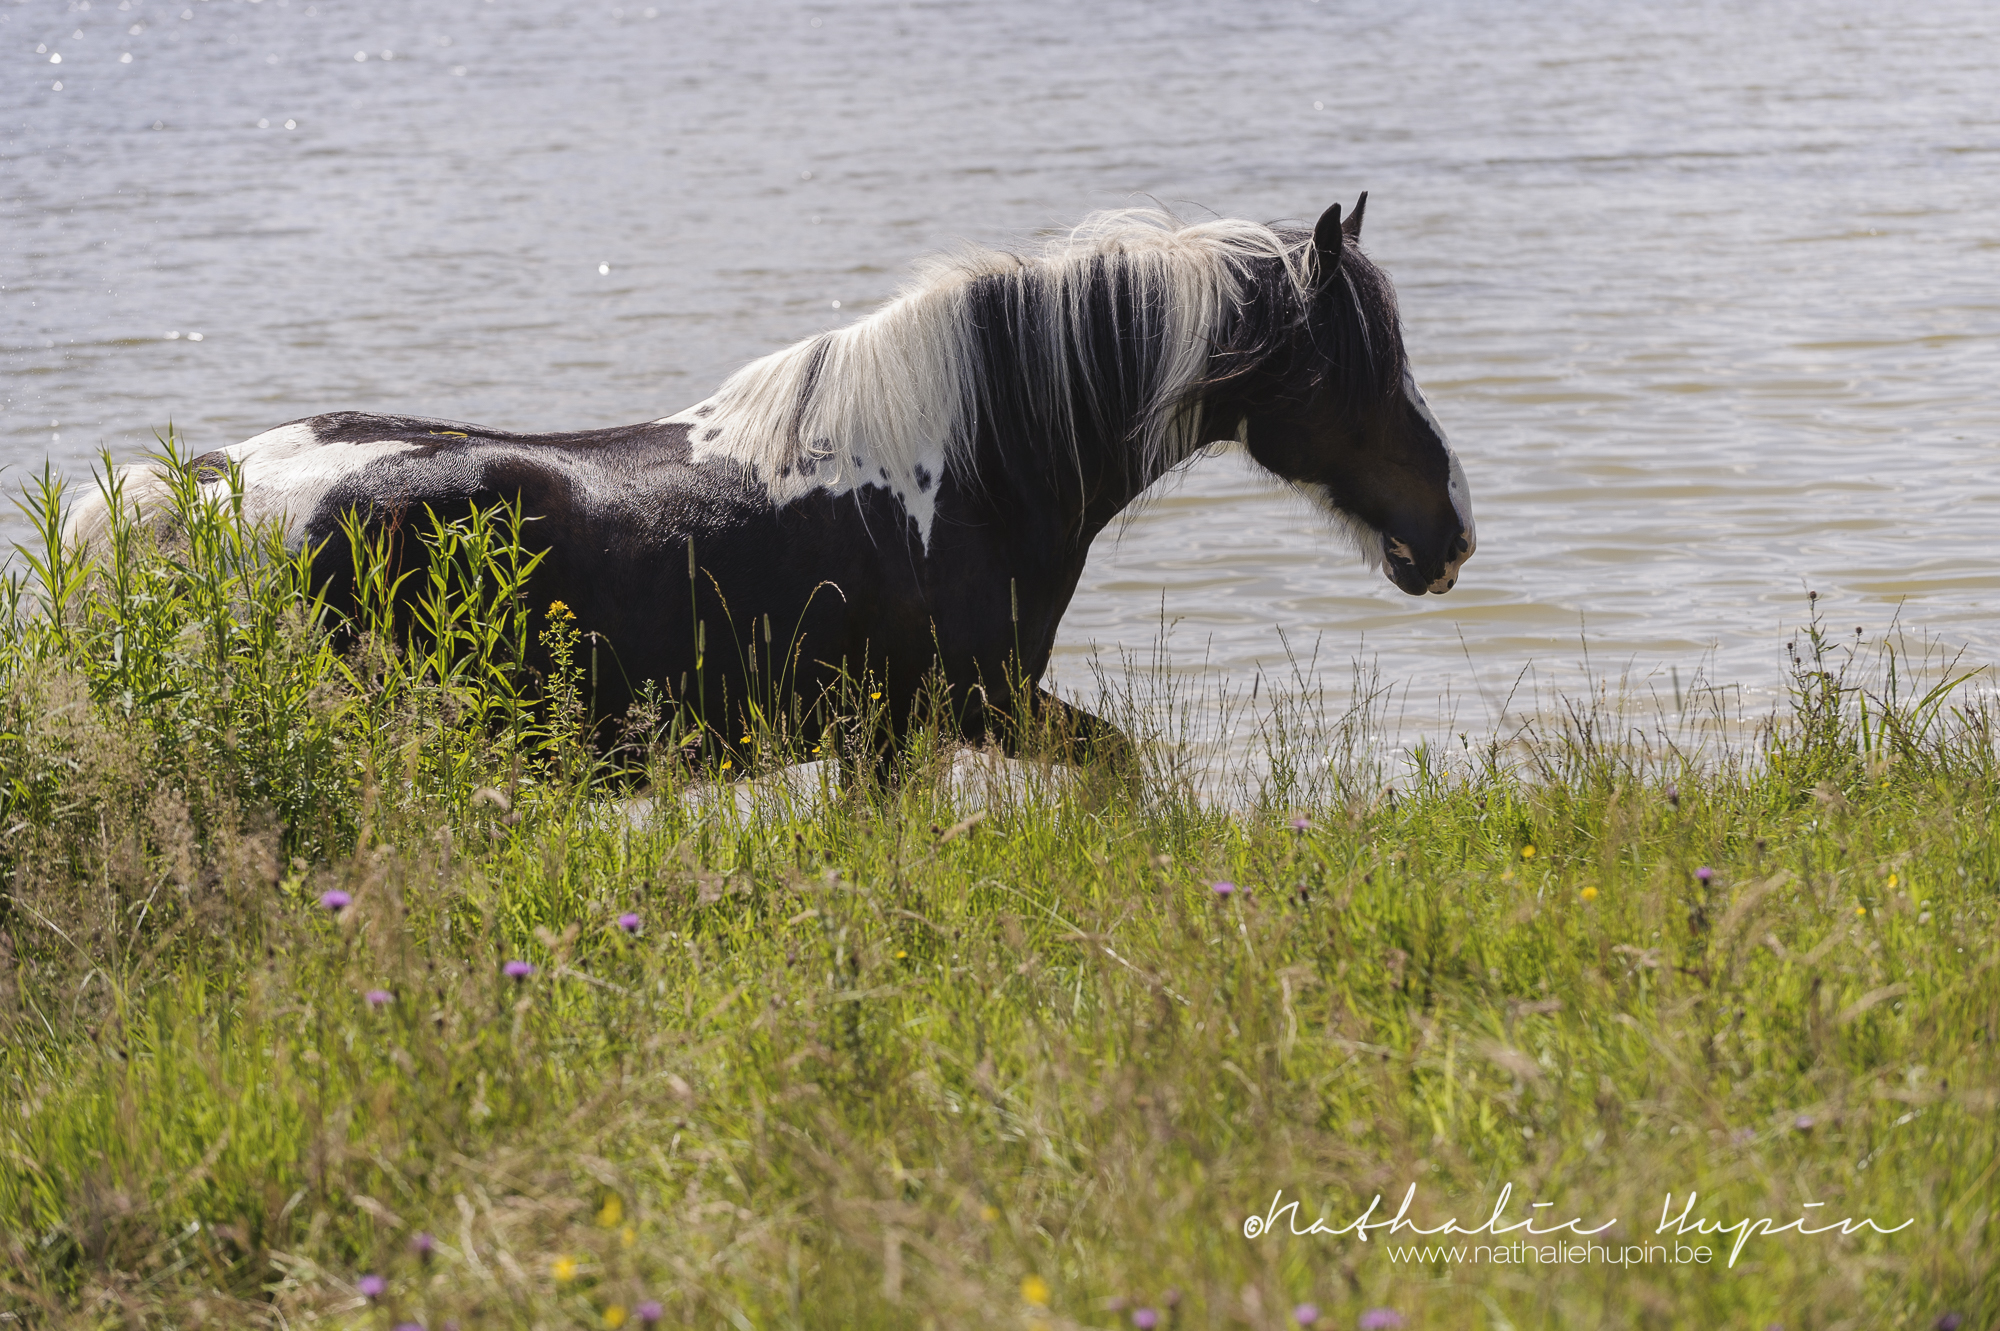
1455,486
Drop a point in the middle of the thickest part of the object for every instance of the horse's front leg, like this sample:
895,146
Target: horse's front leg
1070,734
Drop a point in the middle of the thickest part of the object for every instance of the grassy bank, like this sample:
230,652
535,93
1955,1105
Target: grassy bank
337,987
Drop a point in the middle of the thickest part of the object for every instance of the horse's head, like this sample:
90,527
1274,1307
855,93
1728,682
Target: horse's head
1350,429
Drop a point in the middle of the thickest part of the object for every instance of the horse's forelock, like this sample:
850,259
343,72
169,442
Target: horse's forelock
1357,332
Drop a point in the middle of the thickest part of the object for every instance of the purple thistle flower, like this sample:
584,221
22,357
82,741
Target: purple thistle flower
379,998
373,1287
1302,824
1949,1322
423,1245
1223,887
629,922
1145,1319
1306,1314
1704,873
335,900
518,970
650,1313
1381,1319
409,1326
1804,1122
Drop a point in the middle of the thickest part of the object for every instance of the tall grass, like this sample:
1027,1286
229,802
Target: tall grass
939,1052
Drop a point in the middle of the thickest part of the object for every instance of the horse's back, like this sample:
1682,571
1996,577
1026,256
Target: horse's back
307,473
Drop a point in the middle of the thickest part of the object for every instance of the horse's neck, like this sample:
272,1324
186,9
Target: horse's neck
1077,491
1123,468
1051,501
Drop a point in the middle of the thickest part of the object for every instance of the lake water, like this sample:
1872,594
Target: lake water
1707,294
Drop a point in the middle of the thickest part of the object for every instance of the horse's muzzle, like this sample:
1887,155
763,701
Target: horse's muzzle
1400,563
1462,547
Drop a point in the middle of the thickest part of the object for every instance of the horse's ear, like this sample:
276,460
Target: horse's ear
1328,241
1351,228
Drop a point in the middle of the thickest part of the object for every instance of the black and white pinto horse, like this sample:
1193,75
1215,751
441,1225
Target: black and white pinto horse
915,494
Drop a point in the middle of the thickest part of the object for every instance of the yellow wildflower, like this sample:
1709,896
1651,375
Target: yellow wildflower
614,1316
611,1212
628,1236
873,696
1893,880
563,1269
558,610
1589,894
1035,1290
1861,910
989,1213
1527,852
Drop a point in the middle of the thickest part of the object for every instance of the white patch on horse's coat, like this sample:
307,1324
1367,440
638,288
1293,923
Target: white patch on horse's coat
288,471
912,478
893,397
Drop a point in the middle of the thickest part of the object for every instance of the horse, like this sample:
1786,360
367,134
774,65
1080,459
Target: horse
911,497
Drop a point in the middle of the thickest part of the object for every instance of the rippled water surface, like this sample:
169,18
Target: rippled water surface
1708,295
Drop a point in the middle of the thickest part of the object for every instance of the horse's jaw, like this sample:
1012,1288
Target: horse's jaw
1366,540
1389,553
